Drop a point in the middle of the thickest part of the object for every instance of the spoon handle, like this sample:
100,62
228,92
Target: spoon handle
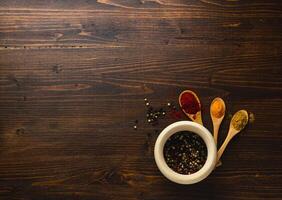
223,146
215,133
197,118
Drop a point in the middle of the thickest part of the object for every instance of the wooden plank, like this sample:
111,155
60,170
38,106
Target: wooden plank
123,23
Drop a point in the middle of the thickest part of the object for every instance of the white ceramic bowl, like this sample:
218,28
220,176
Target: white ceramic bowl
197,129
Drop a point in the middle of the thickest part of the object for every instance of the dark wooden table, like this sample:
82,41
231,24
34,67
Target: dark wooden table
74,74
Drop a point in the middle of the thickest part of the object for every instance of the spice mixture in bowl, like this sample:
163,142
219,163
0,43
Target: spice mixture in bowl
185,152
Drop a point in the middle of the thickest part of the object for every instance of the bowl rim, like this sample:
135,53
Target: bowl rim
207,138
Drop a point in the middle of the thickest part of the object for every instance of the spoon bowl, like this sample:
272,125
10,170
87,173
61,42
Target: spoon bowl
195,117
216,120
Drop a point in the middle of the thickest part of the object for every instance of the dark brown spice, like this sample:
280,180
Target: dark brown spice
185,152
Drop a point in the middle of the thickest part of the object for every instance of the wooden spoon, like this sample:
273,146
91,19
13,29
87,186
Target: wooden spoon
195,117
216,120
234,130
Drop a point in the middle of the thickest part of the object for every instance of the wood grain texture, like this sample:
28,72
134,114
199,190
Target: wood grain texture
73,75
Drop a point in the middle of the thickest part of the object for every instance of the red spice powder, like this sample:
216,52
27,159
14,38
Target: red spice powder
176,114
189,103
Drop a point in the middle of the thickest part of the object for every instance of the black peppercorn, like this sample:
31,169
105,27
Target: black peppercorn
185,152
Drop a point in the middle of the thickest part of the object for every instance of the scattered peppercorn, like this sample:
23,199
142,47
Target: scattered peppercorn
135,126
185,152
153,115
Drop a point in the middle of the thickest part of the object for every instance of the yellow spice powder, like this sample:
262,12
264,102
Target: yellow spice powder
217,108
239,120
251,118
